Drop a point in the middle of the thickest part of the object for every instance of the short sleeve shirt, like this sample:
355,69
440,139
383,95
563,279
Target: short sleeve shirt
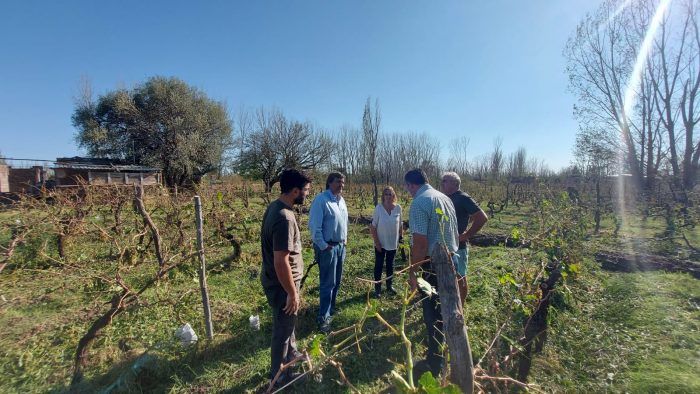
465,206
388,225
424,219
280,232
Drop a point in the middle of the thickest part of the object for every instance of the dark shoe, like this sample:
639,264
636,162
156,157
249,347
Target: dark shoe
391,292
424,366
296,377
376,294
419,369
325,326
292,355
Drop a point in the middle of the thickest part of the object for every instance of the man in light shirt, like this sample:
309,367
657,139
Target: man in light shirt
433,224
328,224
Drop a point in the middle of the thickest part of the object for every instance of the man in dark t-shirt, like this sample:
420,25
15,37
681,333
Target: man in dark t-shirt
467,211
282,268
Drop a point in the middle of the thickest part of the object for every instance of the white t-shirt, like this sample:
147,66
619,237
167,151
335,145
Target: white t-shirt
388,226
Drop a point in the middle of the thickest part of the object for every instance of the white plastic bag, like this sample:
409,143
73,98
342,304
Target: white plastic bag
254,322
186,335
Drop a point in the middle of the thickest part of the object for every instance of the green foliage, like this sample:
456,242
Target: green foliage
641,328
563,230
163,123
430,385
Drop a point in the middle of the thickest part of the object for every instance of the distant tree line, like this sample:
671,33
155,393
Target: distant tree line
168,124
269,141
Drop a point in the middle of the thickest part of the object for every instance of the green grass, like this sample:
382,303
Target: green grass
611,331
629,332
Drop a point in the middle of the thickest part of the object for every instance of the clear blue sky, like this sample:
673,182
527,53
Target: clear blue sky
477,68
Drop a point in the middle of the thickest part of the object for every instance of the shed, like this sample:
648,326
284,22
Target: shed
72,171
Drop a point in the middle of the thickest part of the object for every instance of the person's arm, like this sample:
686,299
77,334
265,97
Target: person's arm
284,275
419,250
346,223
373,229
375,237
477,221
316,222
418,221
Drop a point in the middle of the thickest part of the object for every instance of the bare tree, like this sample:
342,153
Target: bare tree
517,164
635,67
278,143
348,150
597,160
370,128
479,167
459,154
599,63
496,159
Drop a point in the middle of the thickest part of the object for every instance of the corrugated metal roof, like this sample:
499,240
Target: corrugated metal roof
115,168
79,163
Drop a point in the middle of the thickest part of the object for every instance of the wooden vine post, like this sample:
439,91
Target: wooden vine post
203,268
461,366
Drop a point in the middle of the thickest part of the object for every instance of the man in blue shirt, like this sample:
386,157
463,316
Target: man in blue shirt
328,224
433,224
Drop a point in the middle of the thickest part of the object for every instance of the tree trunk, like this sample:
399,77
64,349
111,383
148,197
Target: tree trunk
203,268
61,245
118,305
536,326
461,366
597,205
155,234
376,190
629,262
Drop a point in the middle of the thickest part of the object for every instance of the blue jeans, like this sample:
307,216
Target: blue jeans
330,266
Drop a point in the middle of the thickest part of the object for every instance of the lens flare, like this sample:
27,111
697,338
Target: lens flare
630,97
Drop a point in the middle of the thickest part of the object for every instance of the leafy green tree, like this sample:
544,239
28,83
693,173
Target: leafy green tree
163,122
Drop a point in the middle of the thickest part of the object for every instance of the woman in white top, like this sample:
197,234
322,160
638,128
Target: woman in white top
386,229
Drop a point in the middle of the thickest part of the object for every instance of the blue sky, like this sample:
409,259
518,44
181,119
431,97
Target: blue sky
478,68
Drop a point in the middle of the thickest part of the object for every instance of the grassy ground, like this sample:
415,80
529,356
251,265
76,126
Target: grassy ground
610,331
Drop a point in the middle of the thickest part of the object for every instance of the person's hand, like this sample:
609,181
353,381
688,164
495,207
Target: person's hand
378,247
412,282
293,303
329,247
463,237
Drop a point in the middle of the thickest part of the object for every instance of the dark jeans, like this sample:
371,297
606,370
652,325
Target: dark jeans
379,258
284,343
432,317
330,267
